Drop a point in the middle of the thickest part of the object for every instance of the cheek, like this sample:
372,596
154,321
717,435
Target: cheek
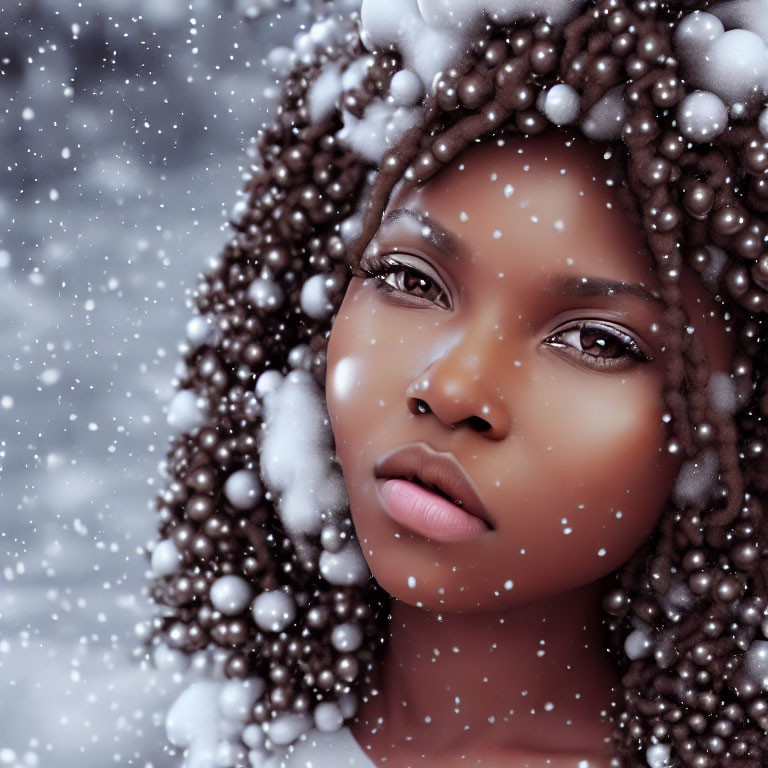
357,384
596,467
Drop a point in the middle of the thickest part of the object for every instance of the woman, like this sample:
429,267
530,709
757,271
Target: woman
524,332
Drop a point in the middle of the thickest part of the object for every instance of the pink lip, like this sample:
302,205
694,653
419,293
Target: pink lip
448,509
426,513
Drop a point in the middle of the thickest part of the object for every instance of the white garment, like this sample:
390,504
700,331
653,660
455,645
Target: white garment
316,749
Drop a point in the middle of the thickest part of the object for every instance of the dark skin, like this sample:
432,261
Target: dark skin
496,650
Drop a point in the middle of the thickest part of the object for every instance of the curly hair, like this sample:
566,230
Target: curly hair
701,204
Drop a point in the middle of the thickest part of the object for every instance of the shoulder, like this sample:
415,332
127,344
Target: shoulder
316,749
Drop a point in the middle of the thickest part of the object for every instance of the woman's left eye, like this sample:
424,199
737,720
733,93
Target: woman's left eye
599,345
394,277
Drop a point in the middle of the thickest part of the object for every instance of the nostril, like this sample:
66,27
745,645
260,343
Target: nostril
478,424
422,407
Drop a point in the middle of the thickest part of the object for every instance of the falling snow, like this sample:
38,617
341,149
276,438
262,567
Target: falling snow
125,130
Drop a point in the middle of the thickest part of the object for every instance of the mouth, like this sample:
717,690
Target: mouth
433,488
430,493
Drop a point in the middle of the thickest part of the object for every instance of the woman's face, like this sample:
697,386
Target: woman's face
514,325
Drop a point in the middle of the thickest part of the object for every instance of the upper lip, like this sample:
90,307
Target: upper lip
442,470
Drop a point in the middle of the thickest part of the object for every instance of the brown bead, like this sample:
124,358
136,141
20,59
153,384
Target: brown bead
698,199
522,97
474,90
623,45
750,242
544,57
672,145
638,130
618,21
759,272
447,97
700,583
606,70
754,301
667,91
694,560
521,41
636,67
495,53
297,158
237,666
668,218
759,188
530,121
656,172
425,166
445,150
756,157
699,259
727,590
616,602
728,220
650,47
737,281
199,507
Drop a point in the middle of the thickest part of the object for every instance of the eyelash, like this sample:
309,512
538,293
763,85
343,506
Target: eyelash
378,268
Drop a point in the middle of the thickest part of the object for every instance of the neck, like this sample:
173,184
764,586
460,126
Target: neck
530,678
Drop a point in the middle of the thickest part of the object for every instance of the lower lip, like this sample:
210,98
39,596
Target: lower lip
427,513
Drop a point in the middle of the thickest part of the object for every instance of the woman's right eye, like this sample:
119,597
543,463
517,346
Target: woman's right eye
393,277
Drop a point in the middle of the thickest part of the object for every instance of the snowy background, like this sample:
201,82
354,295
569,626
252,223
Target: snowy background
123,136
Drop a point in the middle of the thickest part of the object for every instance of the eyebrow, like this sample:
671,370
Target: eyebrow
595,286
441,238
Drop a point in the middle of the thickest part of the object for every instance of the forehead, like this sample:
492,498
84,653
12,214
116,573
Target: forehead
547,203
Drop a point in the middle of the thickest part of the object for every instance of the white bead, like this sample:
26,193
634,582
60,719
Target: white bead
265,293
237,698
170,659
281,60
561,104
406,88
231,594
314,298
605,120
269,381
702,116
348,705
243,489
253,736
763,123
383,21
186,411
201,329
638,645
192,717
347,637
658,756
696,31
273,611
351,229
229,754
328,717
166,558
735,66
344,568
757,663
300,357
285,729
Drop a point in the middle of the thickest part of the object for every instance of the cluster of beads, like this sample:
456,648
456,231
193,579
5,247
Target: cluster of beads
689,615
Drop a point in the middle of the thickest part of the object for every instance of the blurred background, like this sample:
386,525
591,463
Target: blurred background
124,130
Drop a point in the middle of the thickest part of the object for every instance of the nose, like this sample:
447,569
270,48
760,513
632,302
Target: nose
458,388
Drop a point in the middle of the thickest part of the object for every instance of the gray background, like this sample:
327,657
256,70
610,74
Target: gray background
123,135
